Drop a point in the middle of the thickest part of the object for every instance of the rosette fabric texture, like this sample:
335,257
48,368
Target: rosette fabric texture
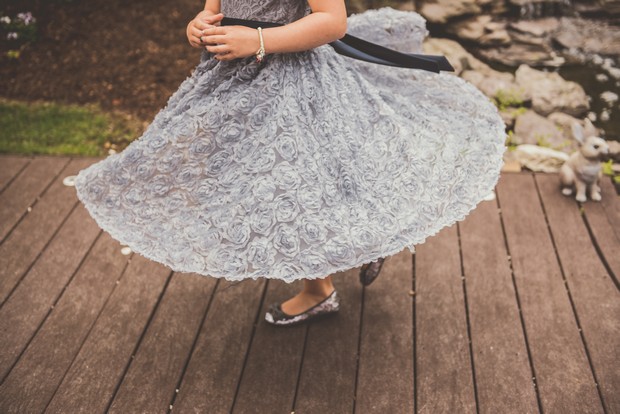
307,164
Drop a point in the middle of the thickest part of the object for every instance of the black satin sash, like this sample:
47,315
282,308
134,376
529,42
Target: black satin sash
360,49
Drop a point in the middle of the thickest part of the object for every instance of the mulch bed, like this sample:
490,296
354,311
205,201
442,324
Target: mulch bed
125,55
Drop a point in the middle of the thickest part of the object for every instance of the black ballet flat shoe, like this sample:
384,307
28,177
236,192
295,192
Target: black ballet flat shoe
370,271
330,305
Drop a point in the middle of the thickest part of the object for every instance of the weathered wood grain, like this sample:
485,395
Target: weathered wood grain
34,231
154,374
211,379
10,166
596,299
604,220
563,375
99,366
503,375
327,379
444,378
385,376
26,188
269,378
30,303
32,382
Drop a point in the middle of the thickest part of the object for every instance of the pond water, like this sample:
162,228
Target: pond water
585,75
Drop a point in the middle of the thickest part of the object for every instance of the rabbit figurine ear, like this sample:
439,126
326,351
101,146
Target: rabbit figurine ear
578,132
589,129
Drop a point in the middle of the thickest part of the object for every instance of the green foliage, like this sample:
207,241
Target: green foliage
16,32
505,98
50,128
607,170
510,142
542,141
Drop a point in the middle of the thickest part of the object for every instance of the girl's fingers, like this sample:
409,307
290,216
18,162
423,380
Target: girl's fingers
227,56
214,30
214,18
195,32
201,25
213,39
221,49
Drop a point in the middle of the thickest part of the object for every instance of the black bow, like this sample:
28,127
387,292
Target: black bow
360,49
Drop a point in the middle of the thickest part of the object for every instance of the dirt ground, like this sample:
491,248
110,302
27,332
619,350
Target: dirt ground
126,55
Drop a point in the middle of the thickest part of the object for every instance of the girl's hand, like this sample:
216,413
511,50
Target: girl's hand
231,42
203,20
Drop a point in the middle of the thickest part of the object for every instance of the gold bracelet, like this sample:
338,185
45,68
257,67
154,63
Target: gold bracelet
260,53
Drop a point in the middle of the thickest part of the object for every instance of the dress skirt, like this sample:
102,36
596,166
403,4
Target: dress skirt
305,165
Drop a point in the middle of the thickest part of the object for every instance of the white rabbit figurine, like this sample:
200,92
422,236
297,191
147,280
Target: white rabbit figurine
583,167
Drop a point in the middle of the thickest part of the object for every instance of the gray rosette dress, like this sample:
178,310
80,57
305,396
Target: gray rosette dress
307,164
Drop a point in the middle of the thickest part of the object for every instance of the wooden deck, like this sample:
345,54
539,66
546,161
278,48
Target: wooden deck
514,310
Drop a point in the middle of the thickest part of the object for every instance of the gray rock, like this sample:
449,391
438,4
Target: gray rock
614,150
460,58
522,53
440,11
470,29
591,36
565,122
552,93
538,158
531,128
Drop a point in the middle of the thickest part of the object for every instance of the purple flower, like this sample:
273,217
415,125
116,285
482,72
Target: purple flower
26,18
12,35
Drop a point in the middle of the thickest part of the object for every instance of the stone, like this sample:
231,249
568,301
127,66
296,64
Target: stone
614,150
565,122
440,11
470,29
509,115
522,53
536,28
609,97
590,36
531,128
460,58
538,158
495,38
552,93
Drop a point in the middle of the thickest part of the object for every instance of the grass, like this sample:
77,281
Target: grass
52,128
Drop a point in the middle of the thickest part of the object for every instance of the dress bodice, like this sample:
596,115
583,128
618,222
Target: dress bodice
280,11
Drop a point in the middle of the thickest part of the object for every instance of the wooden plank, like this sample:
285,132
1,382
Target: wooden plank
604,220
385,375
327,379
270,375
503,375
25,243
26,188
31,302
444,377
39,371
211,379
100,364
155,372
11,166
562,371
596,299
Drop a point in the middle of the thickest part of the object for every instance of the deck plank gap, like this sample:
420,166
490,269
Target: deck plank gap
518,299
467,320
570,296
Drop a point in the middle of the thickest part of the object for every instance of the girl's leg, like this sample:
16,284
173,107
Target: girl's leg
313,292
